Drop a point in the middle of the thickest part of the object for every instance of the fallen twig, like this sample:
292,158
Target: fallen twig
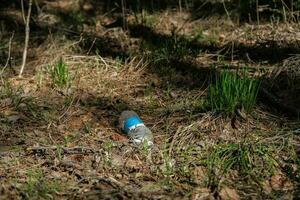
65,150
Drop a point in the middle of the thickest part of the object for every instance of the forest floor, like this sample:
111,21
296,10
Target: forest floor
65,142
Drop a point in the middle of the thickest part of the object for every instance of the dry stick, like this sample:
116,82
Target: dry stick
292,11
232,50
23,12
284,7
227,13
8,56
123,13
186,5
257,12
106,65
37,6
93,43
180,6
66,150
27,30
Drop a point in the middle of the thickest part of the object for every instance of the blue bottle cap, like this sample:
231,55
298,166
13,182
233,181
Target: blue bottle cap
131,122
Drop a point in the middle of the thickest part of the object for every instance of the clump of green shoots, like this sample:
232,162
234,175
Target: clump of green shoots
228,92
37,187
7,91
165,51
245,157
60,74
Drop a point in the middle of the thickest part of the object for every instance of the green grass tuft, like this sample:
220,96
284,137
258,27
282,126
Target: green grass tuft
37,187
60,74
247,158
228,92
168,51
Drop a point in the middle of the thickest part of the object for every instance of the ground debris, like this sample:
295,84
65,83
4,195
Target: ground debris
43,150
202,194
227,193
280,182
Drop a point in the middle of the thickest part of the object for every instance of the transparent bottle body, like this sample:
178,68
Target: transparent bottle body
137,132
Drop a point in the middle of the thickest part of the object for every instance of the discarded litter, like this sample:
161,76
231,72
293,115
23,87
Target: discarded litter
135,129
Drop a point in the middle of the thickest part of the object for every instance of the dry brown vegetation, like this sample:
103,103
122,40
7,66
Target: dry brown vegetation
61,140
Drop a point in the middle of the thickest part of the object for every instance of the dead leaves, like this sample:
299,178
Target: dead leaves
227,193
202,194
280,182
199,175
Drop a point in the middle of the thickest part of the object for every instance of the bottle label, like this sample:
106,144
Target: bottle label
131,123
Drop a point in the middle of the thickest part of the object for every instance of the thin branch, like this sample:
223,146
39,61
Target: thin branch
37,6
227,13
180,6
124,14
257,12
8,56
23,12
27,31
44,150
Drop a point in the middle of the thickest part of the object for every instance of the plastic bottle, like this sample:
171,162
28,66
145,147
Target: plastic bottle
135,129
